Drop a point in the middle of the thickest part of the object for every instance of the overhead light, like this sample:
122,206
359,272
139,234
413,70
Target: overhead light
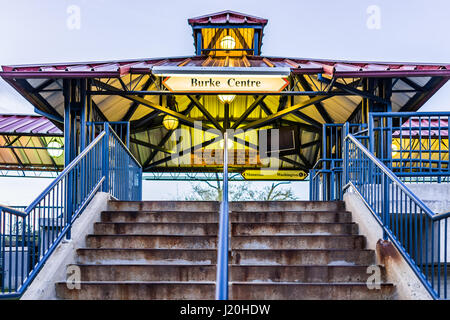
55,149
395,149
226,98
228,43
170,122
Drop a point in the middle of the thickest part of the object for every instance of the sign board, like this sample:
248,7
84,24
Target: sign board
225,83
274,174
236,157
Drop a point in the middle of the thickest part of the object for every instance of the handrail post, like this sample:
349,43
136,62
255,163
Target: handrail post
346,131
222,251
105,159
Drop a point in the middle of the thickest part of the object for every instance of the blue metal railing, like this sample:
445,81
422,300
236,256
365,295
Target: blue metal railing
325,182
28,238
420,235
414,145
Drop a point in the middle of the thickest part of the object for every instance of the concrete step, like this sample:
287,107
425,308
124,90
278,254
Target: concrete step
149,256
303,257
309,291
303,274
294,228
146,272
253,206
258,206
151,241
137,290
183,206
172,228
242,257
299,242
291,216
160,217
235,216
207,272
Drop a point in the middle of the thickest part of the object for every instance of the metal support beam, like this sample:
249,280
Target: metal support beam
319,106
351,90
205,112
262,122
247,112
134,105
149,145
182,118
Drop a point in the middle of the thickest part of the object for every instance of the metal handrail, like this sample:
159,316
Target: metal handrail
14,211
66,170
391,175
125,148
222,245
29,237
418,233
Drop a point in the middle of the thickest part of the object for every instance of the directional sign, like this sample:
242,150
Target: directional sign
262,174
228,83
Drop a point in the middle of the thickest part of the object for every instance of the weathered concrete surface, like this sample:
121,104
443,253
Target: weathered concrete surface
176,228
183,206
268,206
435,195
298,242
131,290
284,250
146,272
151,241
146,256
293,228
397,269
302,273
43,286
310,291
302,257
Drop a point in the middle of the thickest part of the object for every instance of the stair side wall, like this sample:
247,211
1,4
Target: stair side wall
54,270
408,286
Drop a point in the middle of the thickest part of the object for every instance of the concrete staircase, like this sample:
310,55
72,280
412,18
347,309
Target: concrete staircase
279,250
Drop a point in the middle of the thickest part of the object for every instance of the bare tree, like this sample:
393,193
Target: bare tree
240,192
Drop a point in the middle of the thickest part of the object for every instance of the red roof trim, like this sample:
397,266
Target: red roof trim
227,17
114,69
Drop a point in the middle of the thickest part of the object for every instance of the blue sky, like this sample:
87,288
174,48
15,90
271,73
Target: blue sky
37,32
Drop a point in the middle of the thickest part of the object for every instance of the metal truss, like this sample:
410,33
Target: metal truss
15,173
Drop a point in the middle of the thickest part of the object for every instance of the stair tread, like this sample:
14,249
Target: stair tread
250,283
294,223
122,282
143,265
237,249
271,283
231,265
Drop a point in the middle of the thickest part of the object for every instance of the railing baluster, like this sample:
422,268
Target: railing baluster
415,230
28,237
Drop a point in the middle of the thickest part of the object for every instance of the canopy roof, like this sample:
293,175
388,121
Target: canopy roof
24,143
319,91
433,127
